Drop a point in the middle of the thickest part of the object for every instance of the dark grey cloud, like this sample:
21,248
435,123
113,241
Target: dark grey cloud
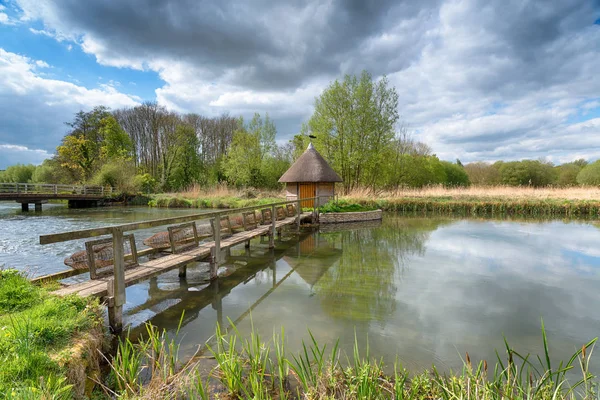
266,44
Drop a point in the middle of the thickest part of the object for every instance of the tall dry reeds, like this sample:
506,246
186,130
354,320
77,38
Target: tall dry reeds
482,192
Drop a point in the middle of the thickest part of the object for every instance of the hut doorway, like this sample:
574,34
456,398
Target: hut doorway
306,191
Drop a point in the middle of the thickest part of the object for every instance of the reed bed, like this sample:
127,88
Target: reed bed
485,201
589,193
257,368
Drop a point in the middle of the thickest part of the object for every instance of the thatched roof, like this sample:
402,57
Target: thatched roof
310,167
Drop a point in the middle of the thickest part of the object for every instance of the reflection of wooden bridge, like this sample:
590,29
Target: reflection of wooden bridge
185,248
35,193
190,303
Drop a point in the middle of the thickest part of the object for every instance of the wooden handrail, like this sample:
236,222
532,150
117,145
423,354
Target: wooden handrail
88,233
43,188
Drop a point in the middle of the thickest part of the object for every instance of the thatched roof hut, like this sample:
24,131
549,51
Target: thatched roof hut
310,176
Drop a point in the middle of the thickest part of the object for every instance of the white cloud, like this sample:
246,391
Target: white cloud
4,19
35,108
41,32
41,64
11,154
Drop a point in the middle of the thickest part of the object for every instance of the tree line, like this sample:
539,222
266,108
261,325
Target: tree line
355,126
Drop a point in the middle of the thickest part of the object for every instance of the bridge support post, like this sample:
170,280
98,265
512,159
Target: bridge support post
38,207
273,228
116,286
183,271
247,244
24,207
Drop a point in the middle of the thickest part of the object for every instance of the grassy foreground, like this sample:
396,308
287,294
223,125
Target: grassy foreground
47,343
254,368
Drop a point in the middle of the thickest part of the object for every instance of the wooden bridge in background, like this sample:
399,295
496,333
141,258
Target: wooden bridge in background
120,269
38,194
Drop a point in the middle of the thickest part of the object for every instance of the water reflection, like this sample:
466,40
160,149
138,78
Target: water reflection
426,289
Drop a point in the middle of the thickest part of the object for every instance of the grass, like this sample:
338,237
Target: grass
253,368
345,206
36,332
220,196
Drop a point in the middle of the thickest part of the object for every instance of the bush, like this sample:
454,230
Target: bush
344,206
455,174
590,175
118,174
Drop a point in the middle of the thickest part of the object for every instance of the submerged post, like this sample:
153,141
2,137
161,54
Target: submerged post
273,228
116,286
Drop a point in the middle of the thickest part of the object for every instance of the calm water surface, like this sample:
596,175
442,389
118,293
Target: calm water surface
426,289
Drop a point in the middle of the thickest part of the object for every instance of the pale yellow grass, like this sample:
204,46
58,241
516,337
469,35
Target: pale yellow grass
483,192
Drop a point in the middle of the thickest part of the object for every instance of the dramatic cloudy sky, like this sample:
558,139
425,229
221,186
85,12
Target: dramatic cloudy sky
477,79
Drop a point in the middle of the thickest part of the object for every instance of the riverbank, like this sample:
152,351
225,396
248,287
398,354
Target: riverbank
252,367
49,346
472,201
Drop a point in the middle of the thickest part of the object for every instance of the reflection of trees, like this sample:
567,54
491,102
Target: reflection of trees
361,286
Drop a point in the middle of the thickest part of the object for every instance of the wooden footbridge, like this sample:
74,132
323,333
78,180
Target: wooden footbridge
112,271
38,194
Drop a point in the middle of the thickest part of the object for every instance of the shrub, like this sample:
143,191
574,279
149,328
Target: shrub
344,206
590,175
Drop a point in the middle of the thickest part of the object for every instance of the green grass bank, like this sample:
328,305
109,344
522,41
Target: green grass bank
174,201
48,345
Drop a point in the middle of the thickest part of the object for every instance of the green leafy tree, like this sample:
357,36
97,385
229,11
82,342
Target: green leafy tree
455,174
115,141
243,160
187,162
567,173
527,173
590,175
354,123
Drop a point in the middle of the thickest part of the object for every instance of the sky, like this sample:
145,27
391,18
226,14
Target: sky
479,80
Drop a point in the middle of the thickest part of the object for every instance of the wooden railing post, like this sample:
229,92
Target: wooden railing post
116,301
273,228
55,189
298,212
215,258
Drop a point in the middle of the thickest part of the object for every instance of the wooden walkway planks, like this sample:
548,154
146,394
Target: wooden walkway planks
152,268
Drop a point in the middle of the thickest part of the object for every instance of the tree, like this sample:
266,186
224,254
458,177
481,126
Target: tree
243,161
115,141
567,173
590,175
354,123
527,173
483,174
80,150
187,162
455,174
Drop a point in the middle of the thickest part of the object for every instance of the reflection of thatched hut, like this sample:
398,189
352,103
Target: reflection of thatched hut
310,176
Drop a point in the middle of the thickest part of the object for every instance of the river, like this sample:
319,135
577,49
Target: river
425,289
